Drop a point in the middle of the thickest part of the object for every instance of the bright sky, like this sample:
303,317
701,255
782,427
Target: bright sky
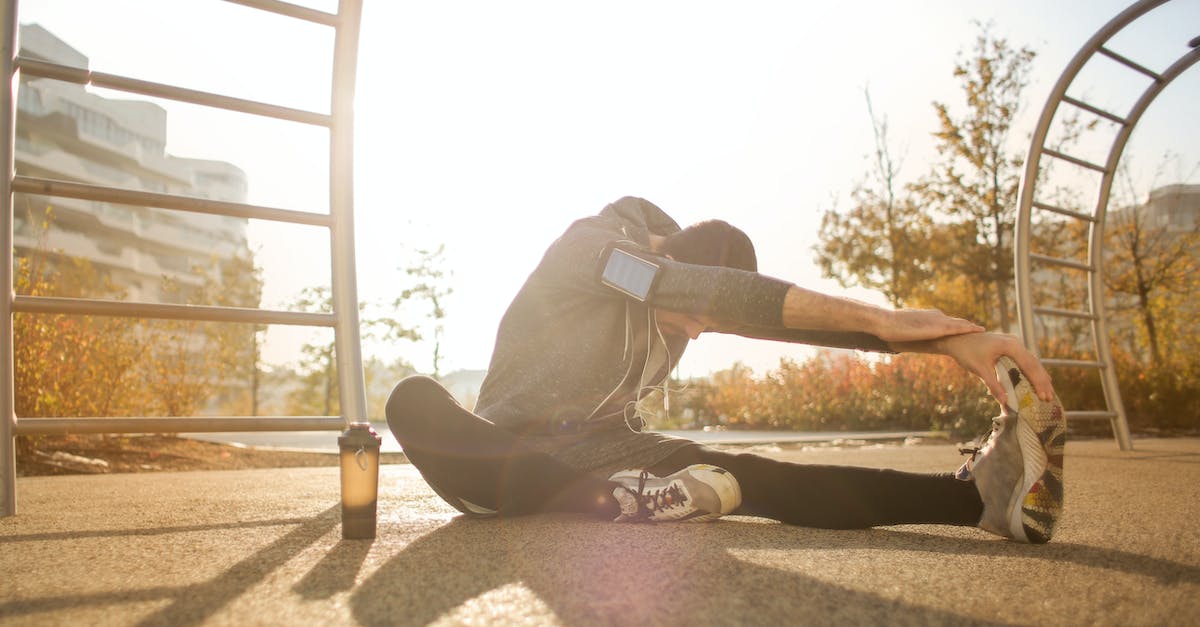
489,126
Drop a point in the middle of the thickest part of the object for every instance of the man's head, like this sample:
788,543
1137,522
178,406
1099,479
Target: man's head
711,243
708,243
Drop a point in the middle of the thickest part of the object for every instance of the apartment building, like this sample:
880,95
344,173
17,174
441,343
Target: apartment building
65,132
1175,208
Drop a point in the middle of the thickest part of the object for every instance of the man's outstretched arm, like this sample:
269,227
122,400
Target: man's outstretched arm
918,331
806,309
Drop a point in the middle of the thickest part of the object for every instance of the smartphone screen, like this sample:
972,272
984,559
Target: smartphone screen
629,273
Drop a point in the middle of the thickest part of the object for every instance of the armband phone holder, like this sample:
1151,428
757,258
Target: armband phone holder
629,273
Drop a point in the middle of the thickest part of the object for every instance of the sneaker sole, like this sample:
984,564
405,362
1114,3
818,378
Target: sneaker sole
1042,432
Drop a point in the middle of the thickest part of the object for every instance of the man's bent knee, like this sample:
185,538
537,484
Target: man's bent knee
414,397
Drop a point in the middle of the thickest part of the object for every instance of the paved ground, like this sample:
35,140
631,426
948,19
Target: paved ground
264,547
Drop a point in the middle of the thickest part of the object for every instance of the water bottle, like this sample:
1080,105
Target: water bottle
359,447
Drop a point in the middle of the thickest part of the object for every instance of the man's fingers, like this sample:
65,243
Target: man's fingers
961,327
993,386
956,326
1035,372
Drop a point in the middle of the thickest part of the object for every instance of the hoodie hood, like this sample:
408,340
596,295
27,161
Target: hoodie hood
642,215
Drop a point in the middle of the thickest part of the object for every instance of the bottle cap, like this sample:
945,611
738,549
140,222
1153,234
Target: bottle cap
360,434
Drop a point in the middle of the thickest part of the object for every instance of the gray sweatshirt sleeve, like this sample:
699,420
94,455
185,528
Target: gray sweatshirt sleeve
749,303
729,295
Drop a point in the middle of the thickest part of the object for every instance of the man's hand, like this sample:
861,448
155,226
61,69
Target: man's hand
978,352
912,325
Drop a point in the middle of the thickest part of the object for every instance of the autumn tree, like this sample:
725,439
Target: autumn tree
946,240
237,282
73,366
193,366
880,243
1152,267
976,182
734,396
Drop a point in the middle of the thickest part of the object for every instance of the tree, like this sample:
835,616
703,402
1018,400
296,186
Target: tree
194,365
978,178
132,366
880,242
1153,265
319,390
430,288
237,283
73,366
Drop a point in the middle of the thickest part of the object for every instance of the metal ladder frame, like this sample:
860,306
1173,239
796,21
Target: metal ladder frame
340,222
1024,258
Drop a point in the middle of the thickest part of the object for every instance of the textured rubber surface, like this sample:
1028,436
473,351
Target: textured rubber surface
1042,432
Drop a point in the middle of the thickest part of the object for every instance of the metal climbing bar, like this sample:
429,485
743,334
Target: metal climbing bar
291,10
1076,160
1096,110
340,222
58,426
1024,258
1064,313
1078,215
167,311
1129,64
42,69
1065,263
83,191
1073,363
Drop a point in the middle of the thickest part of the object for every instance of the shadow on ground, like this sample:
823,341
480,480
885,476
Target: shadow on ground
585,572
176,550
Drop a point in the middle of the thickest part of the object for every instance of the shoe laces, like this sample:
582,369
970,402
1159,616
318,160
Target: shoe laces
981,442
660,499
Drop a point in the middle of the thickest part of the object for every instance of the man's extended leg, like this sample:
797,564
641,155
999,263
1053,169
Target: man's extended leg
1012,486
837,497
480,468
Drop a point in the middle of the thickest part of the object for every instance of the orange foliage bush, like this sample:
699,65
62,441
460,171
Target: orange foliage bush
841,391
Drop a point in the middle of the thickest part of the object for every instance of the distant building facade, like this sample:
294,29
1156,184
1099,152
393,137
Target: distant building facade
64,132
1175,208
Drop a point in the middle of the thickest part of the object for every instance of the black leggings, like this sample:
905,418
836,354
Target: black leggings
464,456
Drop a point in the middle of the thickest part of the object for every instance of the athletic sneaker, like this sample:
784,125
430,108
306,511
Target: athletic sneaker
697,493
1018,470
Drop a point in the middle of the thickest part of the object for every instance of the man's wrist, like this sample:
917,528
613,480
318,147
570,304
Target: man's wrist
878,320
805,309
931,347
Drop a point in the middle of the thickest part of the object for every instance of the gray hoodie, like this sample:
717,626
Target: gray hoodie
572,352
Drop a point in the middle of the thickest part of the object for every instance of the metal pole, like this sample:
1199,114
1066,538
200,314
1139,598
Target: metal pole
8,126
351,387
177,424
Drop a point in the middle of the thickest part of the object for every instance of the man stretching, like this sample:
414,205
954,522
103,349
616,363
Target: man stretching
590,339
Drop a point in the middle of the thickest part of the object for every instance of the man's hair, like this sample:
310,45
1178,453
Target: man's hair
712,243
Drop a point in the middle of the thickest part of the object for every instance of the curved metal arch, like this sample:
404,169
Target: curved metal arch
1024,258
